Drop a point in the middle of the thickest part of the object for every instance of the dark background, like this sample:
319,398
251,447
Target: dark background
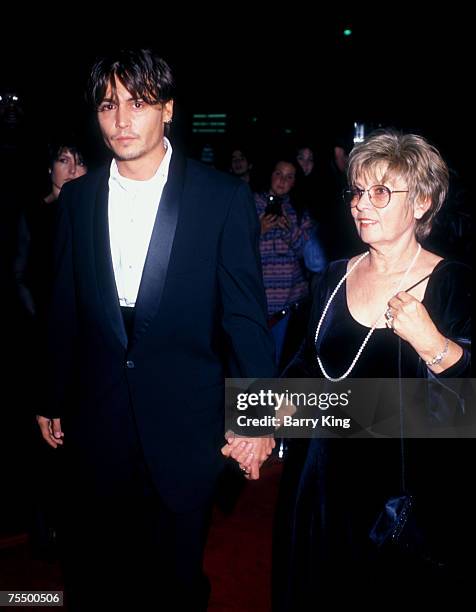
291,69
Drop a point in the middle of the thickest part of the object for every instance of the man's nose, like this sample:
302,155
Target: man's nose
122,117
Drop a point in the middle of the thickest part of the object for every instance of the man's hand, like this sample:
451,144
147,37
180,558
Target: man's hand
51,430
249,453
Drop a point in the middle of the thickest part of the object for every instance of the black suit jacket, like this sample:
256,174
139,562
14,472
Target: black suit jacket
200,315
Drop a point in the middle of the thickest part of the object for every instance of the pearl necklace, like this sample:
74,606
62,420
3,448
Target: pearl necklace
367,337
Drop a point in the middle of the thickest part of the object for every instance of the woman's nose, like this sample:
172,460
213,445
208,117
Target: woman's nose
364,201
75,170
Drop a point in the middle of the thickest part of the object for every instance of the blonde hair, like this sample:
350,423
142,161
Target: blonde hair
411,157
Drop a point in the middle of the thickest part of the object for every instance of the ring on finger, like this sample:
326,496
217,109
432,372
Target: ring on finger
389,316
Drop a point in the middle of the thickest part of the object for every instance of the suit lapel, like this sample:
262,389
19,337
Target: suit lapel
104,268
160,247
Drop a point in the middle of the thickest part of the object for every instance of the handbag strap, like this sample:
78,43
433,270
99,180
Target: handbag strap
402,415
400,400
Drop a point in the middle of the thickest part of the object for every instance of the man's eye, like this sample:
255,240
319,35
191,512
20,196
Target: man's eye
138,103
105,107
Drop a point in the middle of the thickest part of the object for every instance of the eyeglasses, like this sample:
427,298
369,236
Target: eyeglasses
379,195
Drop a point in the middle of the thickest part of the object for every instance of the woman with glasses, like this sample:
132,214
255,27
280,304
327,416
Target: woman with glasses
394,311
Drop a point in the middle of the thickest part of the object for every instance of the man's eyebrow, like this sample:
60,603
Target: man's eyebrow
116,101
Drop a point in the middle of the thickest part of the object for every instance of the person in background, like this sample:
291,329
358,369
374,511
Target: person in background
33,275
312,197
34,258
240,165
305,158
282,242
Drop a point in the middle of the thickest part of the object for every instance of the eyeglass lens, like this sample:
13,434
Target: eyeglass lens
379,195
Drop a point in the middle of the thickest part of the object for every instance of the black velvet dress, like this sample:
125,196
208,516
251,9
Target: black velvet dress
332,490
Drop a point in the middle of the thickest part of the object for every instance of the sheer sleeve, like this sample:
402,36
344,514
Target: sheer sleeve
449,305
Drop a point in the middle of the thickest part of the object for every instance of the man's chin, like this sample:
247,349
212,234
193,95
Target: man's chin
127,155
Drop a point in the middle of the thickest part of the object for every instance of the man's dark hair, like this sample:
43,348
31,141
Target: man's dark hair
143,73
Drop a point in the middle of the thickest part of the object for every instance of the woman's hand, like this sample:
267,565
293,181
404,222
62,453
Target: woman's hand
410,320
268,222
284,222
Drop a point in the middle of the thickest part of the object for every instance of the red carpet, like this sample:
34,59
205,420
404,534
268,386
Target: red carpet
238,556
237,561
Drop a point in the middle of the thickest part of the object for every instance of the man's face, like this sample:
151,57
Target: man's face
239,163
131,128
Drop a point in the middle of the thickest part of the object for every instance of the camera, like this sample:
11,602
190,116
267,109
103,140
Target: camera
273,206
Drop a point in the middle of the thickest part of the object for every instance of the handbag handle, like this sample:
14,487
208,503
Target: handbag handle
400,402
400,393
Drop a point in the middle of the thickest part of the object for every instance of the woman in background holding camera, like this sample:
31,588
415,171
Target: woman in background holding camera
281,246
395,311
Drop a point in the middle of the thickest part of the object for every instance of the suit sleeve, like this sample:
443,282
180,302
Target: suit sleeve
242,291
62,320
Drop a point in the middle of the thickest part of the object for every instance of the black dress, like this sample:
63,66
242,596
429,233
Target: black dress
332,490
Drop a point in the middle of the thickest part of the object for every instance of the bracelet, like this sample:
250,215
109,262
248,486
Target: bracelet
438,358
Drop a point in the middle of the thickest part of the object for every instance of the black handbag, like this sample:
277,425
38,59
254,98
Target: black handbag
392,524
400,528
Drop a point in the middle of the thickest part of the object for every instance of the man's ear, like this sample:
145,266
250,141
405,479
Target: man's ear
168,111
421,206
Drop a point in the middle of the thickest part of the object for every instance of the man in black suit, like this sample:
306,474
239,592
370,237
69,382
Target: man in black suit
158,295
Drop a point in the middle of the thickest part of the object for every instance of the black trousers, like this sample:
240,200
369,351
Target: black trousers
129,548
138,554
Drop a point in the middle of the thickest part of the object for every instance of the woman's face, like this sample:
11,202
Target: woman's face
66,167
383,225
283,178
305,158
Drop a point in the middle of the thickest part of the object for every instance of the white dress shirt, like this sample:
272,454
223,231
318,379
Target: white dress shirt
132,210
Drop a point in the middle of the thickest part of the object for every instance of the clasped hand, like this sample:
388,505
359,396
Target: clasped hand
249,453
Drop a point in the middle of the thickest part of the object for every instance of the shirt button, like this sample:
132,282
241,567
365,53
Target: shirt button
130,365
